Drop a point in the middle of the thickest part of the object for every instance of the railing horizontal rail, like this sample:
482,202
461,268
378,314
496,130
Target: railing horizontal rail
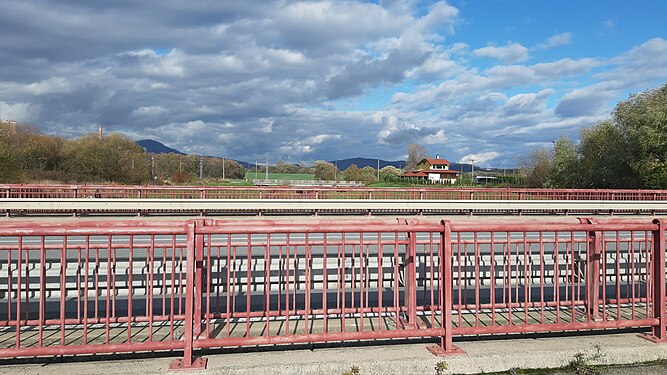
141,206
324,192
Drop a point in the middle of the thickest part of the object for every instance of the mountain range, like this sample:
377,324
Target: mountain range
156,147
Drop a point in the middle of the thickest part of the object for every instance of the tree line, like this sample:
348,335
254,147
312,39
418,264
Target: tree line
628,150
26,155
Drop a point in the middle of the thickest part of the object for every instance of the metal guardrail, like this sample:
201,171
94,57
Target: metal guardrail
80,289
244,192
145,206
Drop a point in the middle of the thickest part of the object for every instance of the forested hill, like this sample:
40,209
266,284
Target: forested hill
156,147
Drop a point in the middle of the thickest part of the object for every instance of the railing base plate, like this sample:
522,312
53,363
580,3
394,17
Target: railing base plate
439,351
652,338
199,363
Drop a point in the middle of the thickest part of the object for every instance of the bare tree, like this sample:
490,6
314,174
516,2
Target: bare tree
416,153
536,166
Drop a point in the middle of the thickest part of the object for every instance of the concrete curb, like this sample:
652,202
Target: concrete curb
482,356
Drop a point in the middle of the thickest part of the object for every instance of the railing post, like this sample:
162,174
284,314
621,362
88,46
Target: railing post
199,280
593,256
658,333
188,361
410,280
593,251
445,271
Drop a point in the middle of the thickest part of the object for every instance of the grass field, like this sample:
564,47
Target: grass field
250,175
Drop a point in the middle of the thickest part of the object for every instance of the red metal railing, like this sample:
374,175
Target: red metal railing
244,192
206,283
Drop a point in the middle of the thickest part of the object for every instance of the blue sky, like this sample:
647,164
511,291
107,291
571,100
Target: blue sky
309,80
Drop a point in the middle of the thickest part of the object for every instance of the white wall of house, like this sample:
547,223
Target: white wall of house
437,177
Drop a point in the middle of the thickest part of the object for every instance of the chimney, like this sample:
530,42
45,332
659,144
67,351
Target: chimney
99,133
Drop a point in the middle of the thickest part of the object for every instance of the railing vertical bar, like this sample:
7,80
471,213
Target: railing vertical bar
526,283
107,309
19,259
632,272
42,289
492,276
287,281
308,284
85,292
248,282
130,292
659,292
477,259
325,282
63,289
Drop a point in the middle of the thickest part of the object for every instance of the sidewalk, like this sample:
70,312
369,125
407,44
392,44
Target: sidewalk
482,356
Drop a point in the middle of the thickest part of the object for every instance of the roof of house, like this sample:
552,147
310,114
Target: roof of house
416,174
436,161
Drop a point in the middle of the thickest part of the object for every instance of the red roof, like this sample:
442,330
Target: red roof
416,174
436,161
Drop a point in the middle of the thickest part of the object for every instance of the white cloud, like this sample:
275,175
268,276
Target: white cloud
20,112
556,40
301,80
527,103
479,158
510,53
149,111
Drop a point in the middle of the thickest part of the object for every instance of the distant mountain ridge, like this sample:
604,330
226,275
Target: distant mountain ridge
343,164
156,147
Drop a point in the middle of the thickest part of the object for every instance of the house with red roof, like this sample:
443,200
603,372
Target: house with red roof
435,170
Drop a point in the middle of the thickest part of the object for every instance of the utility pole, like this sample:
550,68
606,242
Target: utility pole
266,175
256,169
378,169
201,167
223,169
472,173
152,168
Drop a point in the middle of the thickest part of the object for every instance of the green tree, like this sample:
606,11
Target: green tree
233,169
9,171
369,174
108,159
389,173
284,167
603,159
642,121
324,170
352,173
564,171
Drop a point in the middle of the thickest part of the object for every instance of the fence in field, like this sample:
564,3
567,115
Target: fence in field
184,286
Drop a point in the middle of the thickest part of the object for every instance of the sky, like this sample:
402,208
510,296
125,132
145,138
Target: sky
300,81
